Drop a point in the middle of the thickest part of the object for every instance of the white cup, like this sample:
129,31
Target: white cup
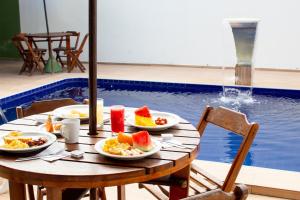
70,130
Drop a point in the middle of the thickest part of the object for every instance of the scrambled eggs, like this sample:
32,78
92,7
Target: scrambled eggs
113,146
15,140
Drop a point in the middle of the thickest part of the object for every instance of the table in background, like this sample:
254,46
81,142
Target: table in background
51,37
94,170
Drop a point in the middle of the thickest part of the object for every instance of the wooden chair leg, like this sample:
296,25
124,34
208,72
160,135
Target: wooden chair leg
58,58
30,192
80,65
23,68
73,62
41,192
121,192
102,193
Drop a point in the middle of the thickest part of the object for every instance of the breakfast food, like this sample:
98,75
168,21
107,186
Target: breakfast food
125,138
16,140
129,144
113,146
161,121
52,127
78,113
49,125
142,141
143,117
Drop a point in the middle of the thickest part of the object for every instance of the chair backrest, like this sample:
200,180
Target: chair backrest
73,34
83,42
43,106
235,122
77,36
18,42
22,44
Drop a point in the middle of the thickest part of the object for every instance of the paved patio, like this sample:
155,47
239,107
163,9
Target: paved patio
12,83
262,78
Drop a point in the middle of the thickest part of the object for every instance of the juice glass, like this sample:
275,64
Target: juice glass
99,113
117,118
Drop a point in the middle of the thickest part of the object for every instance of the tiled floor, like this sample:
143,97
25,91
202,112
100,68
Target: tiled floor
11,83
14,83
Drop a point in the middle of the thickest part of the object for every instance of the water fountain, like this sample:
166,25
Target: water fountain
244,33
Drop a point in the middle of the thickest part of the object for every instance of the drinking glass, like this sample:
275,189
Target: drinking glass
100,103
117,118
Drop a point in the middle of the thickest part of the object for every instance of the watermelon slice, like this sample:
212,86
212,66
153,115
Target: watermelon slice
143,111
143,117
142,141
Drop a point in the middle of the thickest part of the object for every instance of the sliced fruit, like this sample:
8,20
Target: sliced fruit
49,125
143,111
142,141
144,121
125,138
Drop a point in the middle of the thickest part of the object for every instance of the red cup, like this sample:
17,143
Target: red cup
117,118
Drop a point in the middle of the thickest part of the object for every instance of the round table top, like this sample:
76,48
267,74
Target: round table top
94,170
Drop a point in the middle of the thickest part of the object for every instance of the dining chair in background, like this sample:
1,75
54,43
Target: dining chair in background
61,49
74,54
43,106
203,185
31,55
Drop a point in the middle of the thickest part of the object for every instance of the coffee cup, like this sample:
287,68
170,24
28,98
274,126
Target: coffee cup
70,130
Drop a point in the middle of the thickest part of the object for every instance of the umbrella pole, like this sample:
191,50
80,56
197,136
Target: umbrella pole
48,38
92,66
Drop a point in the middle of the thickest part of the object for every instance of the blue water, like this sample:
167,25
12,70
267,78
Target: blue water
277,144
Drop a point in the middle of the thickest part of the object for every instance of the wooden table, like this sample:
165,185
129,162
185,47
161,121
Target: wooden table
94,170
51,37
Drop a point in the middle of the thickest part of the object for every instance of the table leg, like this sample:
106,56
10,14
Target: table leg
68,48
121,192
176,191
17,191
54,193
94,194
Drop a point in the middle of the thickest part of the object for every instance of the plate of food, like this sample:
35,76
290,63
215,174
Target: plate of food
23,142
72,111
51,126
143,118
128,146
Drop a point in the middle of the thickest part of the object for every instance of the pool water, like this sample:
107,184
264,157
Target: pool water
277,144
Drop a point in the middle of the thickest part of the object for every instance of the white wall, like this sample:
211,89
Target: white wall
185,32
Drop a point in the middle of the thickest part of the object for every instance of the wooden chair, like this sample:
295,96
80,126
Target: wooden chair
32,56
62,49
46,106
43,106
203,185
74,54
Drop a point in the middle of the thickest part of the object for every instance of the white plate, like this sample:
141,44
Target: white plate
171,118
34,135
42,128
99,148
64,112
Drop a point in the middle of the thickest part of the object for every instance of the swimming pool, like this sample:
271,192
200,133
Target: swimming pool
277,112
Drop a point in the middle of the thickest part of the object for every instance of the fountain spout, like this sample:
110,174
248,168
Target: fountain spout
244,32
